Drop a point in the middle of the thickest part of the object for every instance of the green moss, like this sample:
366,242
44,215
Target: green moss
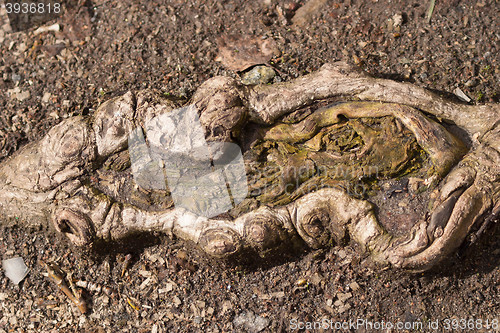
323,151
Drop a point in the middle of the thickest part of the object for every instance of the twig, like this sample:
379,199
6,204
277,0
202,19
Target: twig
56,275
430,10
126,263
95,287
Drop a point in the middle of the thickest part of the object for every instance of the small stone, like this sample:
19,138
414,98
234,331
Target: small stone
18,94
343,308
346,261
386,186
404,61
82,321
15,269
176,301
23,95
397,19
168,287
13,320
144,273
22,47
54,27
461,95
46,97
16,77
281,16
258,75
343,296
240,52
277,294
354,286
330,310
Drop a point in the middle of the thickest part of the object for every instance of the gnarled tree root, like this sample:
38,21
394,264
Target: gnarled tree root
51,179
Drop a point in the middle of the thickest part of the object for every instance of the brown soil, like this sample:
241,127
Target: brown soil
108,47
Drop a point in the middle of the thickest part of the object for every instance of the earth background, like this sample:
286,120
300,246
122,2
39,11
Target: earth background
104,48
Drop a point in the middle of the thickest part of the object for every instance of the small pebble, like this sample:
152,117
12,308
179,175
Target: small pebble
354,286
343,296
15,269
16,78
177,301
46,97
258,75
397,19
460,94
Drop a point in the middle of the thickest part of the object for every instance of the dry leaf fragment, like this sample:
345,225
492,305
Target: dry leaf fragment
239,52
132,305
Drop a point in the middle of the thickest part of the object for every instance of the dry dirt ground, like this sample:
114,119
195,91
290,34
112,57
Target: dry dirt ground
104,48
